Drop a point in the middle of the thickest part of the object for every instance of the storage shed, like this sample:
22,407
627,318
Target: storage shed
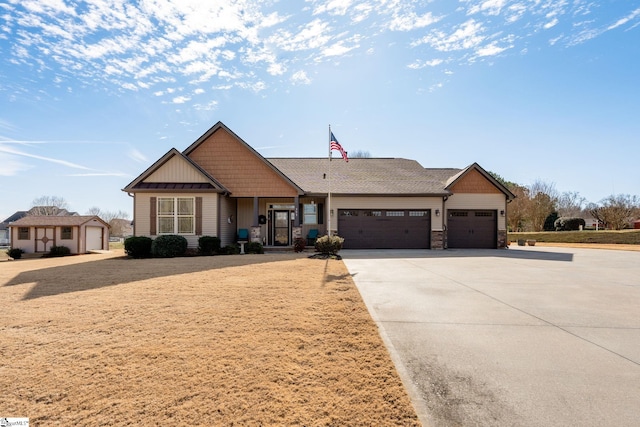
38,234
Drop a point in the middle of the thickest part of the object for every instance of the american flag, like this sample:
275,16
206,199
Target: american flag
335,145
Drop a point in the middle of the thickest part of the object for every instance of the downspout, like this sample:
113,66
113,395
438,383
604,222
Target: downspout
444,225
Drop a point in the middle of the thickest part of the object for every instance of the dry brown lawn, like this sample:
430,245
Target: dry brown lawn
275,339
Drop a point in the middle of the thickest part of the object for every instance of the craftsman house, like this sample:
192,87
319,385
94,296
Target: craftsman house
220,185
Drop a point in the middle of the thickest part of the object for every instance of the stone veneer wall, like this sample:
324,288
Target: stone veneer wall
437,239
502,239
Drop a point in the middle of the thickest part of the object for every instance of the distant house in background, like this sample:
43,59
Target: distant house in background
81,234
36,210
4,226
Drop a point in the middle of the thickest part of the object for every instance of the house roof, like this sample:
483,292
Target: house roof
54,221
365,176
139,184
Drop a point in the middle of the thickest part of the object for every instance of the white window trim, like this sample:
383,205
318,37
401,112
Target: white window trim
176,217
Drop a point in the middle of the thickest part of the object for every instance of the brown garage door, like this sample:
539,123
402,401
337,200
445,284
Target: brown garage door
472,229
384,229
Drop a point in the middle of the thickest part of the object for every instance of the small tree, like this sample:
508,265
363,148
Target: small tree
329,245
616,211
543,200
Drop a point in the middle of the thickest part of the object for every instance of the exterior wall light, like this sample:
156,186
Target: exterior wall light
502,212
437,212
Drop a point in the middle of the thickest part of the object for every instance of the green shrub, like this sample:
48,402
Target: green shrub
169,246
329,245
230,250
254,248
569,224
299,244
138,246
56,251
208,245
15,253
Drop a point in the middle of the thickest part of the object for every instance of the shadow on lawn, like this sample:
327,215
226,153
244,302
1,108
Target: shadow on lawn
95,274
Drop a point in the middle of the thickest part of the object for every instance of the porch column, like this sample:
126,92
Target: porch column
296,204
256,211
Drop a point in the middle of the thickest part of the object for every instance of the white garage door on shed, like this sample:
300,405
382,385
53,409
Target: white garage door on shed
385,228
94,238
476,229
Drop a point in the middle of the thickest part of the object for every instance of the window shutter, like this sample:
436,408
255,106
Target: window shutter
320,213
301,213
152,216
198,216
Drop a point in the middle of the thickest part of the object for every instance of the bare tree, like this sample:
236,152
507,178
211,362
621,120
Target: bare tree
543,197
359,154
570,204
616,211
116,220
94,211
518,208
48,205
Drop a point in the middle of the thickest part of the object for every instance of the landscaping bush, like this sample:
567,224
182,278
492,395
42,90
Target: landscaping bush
138,246
230,250
15,253
208,245
254,248
569,224
299,244
169,246
56,251
329,245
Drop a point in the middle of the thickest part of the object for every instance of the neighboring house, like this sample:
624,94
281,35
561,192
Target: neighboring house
4,227
39,233
220,185
36,210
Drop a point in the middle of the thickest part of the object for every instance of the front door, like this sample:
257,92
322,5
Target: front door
281,228
45,238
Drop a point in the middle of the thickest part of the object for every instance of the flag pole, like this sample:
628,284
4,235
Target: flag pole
329,193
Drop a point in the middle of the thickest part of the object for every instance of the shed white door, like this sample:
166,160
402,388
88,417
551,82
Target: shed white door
94,238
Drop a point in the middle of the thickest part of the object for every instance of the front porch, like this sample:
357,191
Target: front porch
277,222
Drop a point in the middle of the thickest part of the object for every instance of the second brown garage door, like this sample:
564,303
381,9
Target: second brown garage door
385,229
472,229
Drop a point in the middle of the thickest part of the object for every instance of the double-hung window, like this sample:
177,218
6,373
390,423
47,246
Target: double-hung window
310,212
176,215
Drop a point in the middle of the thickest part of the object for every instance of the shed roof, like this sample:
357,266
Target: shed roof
54,221
364,176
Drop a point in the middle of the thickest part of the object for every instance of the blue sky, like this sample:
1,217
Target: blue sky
92,93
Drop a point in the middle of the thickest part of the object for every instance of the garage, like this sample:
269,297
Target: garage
476,229
385,229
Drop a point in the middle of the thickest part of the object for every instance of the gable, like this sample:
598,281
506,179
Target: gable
173,172
238,167
474,182
176,169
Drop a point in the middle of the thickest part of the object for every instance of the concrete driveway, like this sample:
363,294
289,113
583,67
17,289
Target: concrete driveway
529,336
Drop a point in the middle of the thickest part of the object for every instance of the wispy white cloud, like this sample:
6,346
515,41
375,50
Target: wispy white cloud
9,150
11,165
171,48
622,21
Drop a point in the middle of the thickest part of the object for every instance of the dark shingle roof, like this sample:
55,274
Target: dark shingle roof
365,176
